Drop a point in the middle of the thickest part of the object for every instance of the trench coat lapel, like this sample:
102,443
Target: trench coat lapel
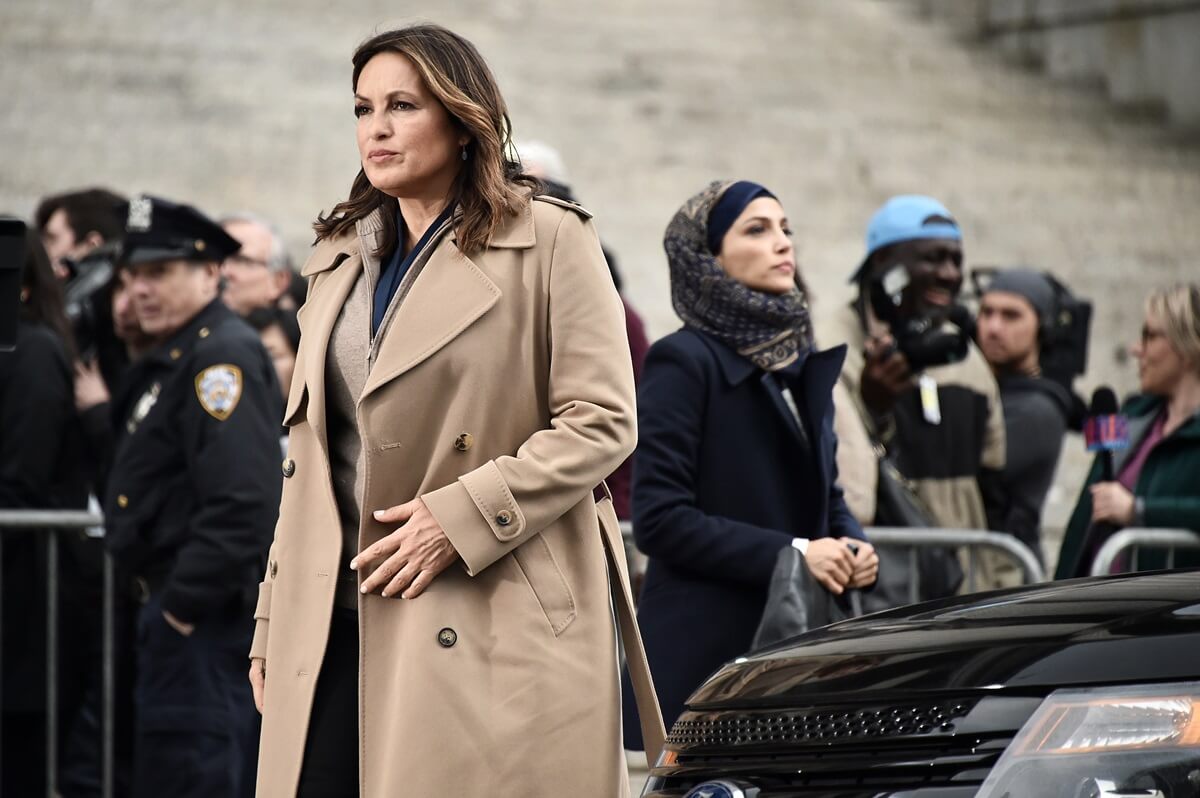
447,297
317,317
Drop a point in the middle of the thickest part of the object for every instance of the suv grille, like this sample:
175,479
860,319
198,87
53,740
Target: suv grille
844,751
814,727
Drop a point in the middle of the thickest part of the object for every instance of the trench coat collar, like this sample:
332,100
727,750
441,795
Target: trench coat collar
451,292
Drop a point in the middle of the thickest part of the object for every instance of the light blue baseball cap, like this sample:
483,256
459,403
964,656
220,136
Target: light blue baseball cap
907,217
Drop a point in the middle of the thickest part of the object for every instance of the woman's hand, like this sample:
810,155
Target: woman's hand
831,563
866,563
1111,503
90,389
258,681
416,552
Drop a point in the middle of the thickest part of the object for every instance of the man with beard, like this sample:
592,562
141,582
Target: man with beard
1013,310
942,426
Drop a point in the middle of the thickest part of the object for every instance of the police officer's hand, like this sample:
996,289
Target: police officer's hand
182,627
258,681
865,563
885,374
415,553
831,563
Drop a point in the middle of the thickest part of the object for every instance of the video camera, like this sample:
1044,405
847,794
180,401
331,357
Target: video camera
87,298
925,342
12,261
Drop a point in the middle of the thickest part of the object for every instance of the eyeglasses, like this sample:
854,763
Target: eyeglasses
242,260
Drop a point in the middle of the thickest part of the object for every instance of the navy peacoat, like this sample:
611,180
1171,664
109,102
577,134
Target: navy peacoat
723,480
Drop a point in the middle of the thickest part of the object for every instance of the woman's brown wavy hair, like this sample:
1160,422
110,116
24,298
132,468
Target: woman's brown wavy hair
490,185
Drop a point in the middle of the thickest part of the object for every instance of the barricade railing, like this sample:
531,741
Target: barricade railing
52,523
971,540
915,538
1133,539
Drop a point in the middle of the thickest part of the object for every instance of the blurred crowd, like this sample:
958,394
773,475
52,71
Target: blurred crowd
947,408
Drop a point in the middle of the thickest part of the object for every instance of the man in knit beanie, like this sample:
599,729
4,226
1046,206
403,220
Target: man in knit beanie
1015,309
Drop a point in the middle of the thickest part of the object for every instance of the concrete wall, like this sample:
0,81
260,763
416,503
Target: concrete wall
1144,53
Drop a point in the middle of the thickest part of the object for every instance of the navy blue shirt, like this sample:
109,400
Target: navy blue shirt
398,265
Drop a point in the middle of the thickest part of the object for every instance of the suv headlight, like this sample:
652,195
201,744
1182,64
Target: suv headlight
1112,742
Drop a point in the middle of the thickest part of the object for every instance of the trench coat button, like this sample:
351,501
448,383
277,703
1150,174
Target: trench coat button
289,467
122,501
204,332
504,518
176,353
274,568
464,441
447,637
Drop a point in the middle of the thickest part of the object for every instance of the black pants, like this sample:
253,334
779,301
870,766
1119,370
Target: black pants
330,768
196,729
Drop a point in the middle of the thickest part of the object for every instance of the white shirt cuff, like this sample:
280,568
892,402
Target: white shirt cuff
800,545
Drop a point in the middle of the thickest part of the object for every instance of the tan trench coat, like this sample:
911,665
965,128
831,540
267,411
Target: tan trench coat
523,347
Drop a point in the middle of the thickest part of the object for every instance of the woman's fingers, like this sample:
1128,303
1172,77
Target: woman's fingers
401,580
384,547
386,571
258,681
418,585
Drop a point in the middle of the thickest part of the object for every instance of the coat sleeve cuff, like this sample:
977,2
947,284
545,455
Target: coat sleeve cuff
262,614
479,516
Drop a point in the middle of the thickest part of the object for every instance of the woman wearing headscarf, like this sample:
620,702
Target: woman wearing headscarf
1156,483
436,616
735,459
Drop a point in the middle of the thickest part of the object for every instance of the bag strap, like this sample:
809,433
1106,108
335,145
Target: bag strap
653,732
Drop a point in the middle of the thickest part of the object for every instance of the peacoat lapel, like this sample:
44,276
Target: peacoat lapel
448,296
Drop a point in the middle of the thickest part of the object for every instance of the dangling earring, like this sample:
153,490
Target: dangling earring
464,152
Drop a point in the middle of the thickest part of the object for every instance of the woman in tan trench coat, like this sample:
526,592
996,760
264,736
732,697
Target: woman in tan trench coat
436,616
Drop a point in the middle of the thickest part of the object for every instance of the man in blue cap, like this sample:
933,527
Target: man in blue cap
191,504
915,383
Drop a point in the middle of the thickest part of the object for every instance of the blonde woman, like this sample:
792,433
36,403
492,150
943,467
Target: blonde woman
1156,481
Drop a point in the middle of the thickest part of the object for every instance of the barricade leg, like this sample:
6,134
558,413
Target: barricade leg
51,665
108,682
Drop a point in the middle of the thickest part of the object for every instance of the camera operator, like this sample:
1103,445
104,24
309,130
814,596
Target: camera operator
1014,309
914,380
75,223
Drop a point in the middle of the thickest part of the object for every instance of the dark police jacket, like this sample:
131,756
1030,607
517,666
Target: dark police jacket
194,489
722,481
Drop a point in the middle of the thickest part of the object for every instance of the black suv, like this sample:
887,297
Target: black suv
1082,689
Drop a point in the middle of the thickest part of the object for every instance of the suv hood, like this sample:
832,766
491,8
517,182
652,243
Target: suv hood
1108,630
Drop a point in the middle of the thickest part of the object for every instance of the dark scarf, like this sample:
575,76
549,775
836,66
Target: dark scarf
771,330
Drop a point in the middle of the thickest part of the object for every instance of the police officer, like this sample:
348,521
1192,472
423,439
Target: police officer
191,504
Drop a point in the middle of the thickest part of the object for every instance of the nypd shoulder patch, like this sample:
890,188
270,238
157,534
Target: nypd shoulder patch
219,388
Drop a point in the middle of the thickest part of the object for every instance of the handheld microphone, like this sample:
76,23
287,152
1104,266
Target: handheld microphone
1105,430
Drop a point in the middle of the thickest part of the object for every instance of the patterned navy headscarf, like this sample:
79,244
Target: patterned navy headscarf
771,330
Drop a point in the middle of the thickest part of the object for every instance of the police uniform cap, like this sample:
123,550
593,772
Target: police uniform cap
157,229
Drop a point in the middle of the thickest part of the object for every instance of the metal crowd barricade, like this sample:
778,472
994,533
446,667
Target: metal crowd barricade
51,523
1133,539
925,537
971,539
